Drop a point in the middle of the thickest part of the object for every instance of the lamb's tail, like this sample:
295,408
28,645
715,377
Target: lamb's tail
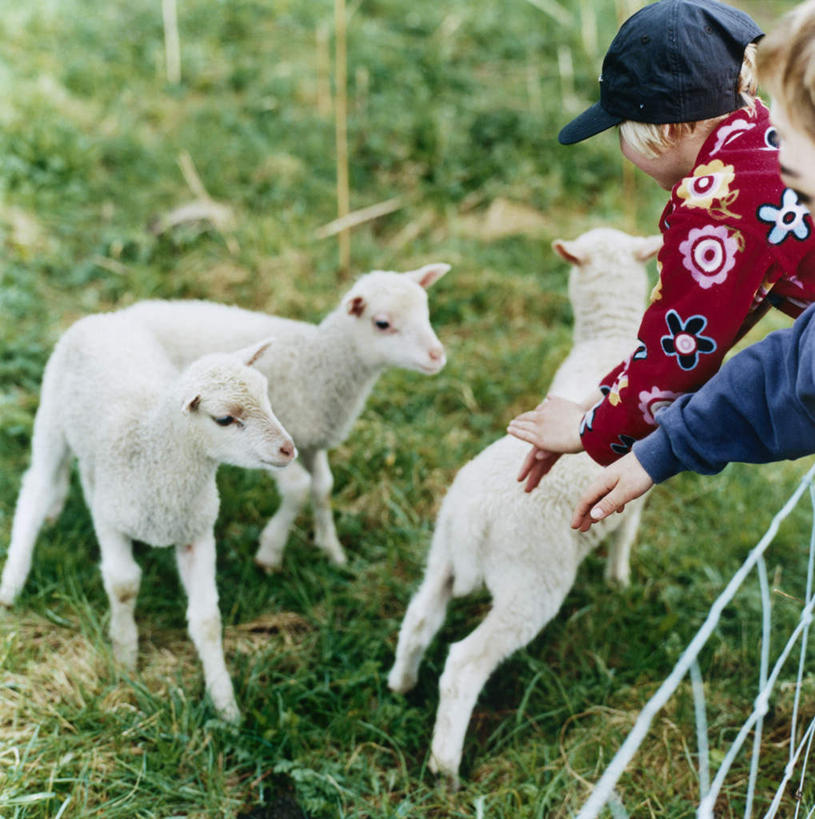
43,490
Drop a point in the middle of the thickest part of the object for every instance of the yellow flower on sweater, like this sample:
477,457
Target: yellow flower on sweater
619,385
709,183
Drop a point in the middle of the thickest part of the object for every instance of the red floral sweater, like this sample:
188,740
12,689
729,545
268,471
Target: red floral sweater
736,242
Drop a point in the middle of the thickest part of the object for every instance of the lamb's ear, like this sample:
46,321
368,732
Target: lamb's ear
250,355
649,247
429,274
355,306
569,251
191,404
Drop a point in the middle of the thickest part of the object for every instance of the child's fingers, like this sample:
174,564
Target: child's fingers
529,462
620,483
530,415
597,502
544,462
526,432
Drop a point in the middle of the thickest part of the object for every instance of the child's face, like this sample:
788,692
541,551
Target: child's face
673,164
796,155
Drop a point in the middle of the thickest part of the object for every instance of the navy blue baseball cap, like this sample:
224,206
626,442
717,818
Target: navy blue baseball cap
672,61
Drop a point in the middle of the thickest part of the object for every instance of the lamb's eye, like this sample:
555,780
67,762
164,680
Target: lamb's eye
224,420
382,324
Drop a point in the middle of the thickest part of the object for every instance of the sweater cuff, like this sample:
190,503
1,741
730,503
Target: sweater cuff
656,456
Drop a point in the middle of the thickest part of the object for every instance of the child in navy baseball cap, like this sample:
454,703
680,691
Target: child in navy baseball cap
679,82
761,406
676,61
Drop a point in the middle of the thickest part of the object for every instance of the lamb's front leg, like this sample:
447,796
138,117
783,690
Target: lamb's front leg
322,482
618,569
294,483
122,577
196,566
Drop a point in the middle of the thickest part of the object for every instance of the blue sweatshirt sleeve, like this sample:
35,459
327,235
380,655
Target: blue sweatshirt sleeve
759,407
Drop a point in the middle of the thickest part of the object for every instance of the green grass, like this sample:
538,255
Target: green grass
452,107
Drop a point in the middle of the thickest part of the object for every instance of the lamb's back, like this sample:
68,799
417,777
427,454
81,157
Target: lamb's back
103,375
187,330
494,524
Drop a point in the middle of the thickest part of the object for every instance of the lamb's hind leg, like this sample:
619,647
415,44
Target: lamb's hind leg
42,492
121,576
618,569
423,619
322,482
511,623
294,483
196,565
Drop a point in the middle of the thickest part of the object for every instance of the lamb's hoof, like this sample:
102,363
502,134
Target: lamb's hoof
329,543
338,558
447,774
230,713
617,580
125,657
400,683
267,568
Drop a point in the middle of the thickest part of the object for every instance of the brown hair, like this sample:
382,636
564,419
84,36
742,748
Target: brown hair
786,65
651,140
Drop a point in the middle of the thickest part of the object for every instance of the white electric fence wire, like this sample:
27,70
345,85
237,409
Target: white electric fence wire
788,771
602,792
761,706
701,728
811,733
807,599
801,659
766,608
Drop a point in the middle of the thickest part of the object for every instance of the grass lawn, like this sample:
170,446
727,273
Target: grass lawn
454,108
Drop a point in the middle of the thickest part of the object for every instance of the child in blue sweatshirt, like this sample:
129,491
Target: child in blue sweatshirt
760,407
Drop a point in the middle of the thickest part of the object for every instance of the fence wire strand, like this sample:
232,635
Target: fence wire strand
604,795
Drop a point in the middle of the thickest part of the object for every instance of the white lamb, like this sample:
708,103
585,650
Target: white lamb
319,377
148,440
520,545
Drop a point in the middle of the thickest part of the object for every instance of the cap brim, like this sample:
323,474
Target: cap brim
592,121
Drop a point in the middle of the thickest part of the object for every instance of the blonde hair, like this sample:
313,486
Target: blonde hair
786,64
652,139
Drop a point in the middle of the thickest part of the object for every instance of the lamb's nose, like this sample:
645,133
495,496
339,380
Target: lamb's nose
436,353
287,450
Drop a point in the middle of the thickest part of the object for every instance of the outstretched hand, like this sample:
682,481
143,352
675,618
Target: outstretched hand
552,428
536,464
616,485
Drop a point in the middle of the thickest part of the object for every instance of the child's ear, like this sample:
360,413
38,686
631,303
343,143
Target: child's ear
569,251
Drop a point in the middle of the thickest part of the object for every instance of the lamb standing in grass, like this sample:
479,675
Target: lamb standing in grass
148,441
319,377
521,545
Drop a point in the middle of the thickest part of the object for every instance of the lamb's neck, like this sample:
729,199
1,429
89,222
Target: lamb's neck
166,442
603,323
337,345
345,380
